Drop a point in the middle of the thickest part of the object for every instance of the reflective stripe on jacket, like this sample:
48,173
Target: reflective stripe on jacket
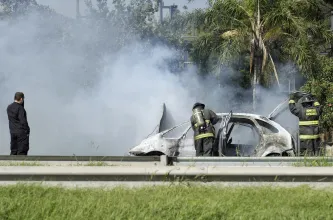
308,119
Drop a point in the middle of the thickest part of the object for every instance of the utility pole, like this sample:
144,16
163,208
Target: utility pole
161,10
77,9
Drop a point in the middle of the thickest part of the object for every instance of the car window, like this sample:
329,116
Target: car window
266,127
243,133
177,132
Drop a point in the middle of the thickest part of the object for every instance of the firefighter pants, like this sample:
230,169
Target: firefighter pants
204,147
311,148
19,144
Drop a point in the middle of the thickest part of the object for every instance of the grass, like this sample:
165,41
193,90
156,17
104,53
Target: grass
164,202
320,162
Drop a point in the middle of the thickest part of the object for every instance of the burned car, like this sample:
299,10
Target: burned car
237,134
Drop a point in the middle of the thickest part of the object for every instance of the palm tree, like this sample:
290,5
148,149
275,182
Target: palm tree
265,30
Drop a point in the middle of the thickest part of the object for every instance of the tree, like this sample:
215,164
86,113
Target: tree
17,8
122,22
322,87
264,31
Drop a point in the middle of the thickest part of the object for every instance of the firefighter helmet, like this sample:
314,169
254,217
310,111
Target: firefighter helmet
307,99
198,104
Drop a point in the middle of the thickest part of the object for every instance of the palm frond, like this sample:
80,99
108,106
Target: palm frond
274,69
228,34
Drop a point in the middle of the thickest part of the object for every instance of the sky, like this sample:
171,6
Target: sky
68,7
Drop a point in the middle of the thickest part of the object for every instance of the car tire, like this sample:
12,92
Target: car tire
273,155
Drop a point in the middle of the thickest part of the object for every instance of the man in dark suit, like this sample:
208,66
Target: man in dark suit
18,126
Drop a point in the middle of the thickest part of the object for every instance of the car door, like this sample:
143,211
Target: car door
242,138
221,139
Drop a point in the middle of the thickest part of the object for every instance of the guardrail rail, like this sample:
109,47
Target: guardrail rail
176,161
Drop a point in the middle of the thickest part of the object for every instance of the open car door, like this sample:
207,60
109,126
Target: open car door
222,134
165,122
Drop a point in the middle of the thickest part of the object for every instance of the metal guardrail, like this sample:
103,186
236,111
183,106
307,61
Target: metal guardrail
82,158
171,169
168,174
247,161
176,161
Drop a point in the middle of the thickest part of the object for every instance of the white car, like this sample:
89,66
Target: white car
238,134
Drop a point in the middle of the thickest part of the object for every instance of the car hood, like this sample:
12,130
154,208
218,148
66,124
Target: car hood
154,143
285,118
279,109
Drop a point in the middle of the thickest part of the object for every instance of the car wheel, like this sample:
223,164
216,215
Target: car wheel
273,155
154,153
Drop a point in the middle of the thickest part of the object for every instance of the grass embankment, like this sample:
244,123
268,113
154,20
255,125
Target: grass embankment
175,202
320,162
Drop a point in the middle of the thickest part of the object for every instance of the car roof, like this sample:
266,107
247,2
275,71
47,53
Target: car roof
249,116
245,115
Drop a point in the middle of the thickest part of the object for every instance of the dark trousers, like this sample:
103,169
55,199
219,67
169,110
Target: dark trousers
204,147
311,148
19,144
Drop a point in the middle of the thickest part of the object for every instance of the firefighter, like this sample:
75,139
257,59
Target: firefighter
308,110
202,122
18,126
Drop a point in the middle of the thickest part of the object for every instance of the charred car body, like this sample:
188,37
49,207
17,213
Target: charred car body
237,134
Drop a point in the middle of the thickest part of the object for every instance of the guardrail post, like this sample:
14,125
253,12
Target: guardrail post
166,160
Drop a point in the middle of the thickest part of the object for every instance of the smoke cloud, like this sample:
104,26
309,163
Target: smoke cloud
83,104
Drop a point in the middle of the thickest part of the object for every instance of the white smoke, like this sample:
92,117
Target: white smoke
81,104
73,111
